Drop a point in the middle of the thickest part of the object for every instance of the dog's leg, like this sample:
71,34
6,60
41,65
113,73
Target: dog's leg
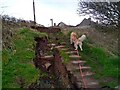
80,45
76,46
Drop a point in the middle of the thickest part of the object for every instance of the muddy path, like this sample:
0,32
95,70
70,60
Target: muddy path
48,61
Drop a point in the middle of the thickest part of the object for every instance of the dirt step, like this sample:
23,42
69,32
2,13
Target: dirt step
61,46
79,84
71,52
75,56
78,77
64,49
84,74
92,87
46,57
70,69
78,62
77,69
83,67
87,74
52,44
91,82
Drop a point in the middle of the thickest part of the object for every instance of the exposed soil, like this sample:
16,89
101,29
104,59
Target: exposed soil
57,74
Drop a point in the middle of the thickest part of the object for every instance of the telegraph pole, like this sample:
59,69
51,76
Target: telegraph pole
34,12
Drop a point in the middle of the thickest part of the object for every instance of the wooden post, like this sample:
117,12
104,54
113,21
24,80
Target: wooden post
51,22
34,12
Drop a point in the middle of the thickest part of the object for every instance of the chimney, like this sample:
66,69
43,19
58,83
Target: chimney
54,24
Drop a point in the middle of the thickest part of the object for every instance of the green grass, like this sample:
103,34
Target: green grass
65,57
18,61
105,65
0,69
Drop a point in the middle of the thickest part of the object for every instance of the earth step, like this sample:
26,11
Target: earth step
46,57
52,44
64,49
71,52
75,56
87,74
92,83
78,61
83,67
73,70
78,77
61,46
79,84
69,69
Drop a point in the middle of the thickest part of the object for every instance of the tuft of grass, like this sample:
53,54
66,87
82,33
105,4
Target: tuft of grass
18,68
105,65
65,57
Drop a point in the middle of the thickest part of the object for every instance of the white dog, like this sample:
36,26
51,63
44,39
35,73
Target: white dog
77,42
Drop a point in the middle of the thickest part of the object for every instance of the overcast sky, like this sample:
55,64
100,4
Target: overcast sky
58,10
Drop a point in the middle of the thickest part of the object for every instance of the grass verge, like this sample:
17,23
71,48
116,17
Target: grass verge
18,68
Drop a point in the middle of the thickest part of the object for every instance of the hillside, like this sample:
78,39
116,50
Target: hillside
32,58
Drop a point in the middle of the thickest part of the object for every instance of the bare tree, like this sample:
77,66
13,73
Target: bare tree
105,12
